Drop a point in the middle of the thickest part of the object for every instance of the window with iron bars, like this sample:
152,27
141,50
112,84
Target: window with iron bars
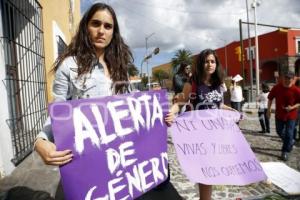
25,73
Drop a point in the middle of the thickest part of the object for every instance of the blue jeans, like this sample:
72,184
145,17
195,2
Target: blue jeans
264,120
236,105
285,130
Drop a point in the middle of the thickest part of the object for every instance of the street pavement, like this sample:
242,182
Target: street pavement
34,174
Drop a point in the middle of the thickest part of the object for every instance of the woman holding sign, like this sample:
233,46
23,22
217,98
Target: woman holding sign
94,64
205,92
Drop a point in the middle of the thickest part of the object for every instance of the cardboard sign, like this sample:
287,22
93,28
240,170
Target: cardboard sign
119,144
212,150
283,176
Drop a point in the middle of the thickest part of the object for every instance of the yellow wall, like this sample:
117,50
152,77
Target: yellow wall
167,67
58,11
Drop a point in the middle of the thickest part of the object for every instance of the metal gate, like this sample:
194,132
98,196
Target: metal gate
25,72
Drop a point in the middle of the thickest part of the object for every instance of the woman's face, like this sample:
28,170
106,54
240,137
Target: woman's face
188,69
101,29
210,64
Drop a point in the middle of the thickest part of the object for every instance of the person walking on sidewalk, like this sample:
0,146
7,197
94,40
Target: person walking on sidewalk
263,108
236,93
287,97
206,86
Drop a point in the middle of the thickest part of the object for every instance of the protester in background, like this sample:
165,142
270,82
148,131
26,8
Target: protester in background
287,97
263,108
297,83
181,77
207,82
236,93
95,64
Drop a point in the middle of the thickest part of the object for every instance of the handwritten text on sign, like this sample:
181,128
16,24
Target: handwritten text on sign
212,150
119,145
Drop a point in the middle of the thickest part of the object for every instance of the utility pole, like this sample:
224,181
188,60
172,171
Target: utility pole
242,52
146,38
225,54
254,5
250,56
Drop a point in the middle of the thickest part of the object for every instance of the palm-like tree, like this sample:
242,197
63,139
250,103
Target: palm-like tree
182,55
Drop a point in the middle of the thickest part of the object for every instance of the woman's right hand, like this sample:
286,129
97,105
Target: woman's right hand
47,150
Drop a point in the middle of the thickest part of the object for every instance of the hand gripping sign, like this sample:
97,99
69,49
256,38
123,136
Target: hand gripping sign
212,150
119,144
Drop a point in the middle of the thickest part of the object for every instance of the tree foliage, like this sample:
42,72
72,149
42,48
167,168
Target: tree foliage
132,70
182,55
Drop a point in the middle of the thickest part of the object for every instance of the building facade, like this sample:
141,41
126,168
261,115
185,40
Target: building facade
278,51
32,33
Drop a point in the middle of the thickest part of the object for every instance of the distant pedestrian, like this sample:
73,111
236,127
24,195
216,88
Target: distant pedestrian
236,93
297,83
287,98
183,75
263,108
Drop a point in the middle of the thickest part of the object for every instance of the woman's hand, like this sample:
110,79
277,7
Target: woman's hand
169,119
47,150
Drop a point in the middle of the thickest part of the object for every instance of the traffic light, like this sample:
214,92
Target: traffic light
238,51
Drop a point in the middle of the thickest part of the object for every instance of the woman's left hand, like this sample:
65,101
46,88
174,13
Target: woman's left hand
169,119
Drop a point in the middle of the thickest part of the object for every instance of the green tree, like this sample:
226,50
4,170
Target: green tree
182,55
159,75
132,70
144,81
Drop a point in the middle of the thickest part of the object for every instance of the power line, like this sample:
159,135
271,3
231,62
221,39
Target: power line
268,25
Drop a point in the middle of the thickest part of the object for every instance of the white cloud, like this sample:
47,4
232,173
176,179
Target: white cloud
195,24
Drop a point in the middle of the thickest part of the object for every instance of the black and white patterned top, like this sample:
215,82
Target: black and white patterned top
208,97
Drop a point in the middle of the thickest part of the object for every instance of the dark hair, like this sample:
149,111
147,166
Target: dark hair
216,78
265,87
182,67
117,54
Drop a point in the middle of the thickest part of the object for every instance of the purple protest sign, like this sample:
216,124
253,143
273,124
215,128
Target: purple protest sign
119,144
212,150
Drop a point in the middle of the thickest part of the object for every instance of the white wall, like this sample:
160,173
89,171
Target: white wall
6,152
56,32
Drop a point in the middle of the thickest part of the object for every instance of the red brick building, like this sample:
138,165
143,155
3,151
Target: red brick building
278,51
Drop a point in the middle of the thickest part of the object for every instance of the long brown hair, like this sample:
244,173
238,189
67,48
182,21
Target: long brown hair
216,78
117,54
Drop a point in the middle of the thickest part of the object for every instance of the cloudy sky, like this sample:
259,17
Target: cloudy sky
193,24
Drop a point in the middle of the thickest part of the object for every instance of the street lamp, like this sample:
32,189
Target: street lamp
146,58
254,5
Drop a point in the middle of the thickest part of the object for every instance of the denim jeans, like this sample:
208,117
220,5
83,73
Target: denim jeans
236,105
264,120
285,130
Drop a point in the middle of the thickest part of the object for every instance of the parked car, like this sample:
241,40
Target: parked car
154,86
